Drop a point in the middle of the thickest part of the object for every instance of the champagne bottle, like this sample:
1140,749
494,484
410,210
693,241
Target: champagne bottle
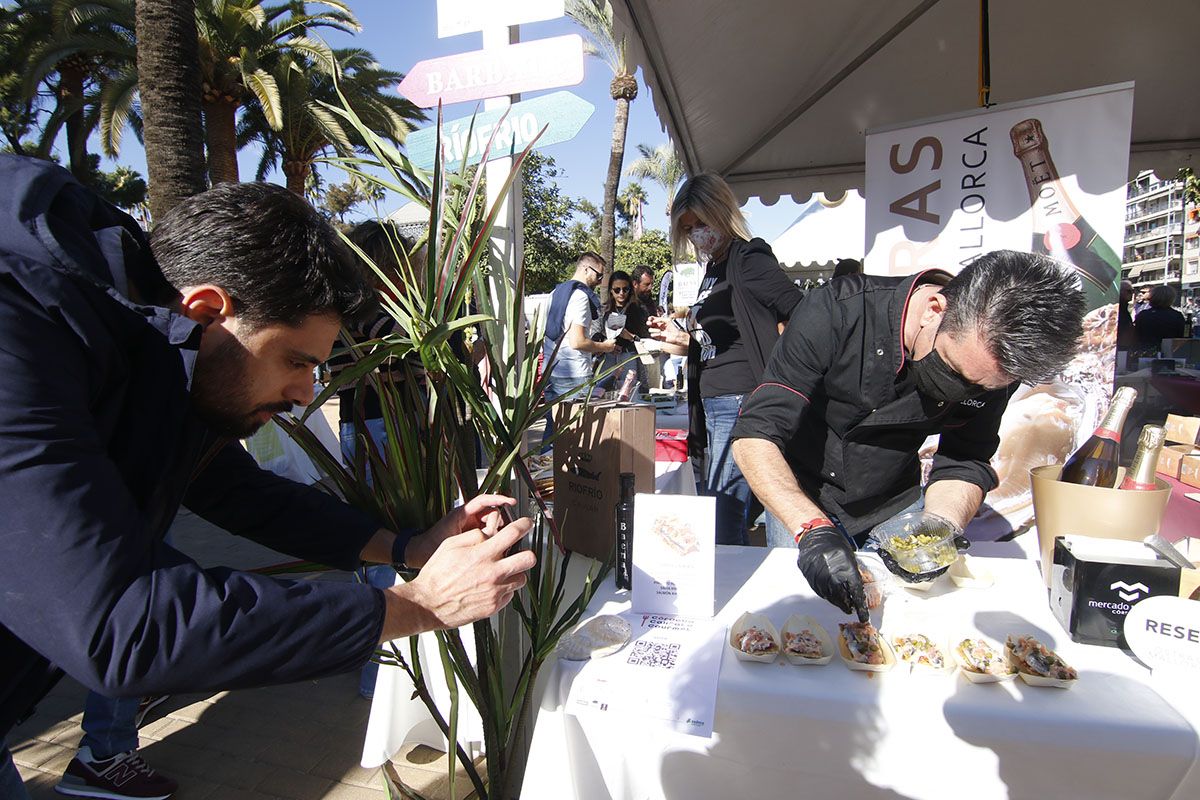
1059,230
1095,463
1140,476
624,531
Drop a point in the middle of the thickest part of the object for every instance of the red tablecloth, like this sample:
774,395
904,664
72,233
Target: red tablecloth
670,444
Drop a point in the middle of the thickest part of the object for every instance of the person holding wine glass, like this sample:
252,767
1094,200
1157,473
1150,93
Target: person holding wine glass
868,368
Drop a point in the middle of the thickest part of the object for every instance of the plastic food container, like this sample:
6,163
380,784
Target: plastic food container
915,552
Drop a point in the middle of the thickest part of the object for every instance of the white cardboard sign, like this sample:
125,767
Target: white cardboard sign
674,554
1164,632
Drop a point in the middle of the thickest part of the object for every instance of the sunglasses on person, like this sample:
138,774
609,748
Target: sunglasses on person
620,290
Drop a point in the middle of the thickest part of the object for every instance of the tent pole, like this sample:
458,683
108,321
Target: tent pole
985,57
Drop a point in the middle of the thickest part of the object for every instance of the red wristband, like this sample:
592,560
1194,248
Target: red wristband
815,522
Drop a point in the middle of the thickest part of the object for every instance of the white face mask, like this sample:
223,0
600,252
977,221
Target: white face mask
706,239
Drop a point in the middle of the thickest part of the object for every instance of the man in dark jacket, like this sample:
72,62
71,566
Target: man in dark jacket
129,371
866,370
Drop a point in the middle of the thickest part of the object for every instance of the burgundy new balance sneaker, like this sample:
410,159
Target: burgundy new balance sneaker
125,776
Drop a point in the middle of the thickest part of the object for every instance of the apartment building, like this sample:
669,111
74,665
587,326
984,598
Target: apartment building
1153,244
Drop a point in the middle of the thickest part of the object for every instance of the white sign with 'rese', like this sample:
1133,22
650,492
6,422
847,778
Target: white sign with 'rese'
1164,632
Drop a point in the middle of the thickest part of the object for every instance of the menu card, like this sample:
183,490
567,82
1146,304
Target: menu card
674,552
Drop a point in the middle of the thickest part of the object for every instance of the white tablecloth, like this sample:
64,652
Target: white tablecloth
813,732
397,719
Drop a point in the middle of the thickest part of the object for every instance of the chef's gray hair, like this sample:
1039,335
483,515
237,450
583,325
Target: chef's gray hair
1027,308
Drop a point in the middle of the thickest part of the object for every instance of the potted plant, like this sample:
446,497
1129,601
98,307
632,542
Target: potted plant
430,456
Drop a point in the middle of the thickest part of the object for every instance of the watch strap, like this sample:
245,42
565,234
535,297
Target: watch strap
815,522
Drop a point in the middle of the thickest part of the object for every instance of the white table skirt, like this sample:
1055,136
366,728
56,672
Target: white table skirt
814,732
397,719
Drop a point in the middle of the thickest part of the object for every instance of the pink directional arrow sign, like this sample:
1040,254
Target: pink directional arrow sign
496,71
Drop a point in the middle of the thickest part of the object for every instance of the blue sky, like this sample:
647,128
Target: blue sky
403,33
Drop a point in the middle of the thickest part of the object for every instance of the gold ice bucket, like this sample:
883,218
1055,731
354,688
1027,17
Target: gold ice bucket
1062,509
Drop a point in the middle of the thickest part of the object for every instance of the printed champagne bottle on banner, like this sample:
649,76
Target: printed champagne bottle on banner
1059,230
1140,476
1095,463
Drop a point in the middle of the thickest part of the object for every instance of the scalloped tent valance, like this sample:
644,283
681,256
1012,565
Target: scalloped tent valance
775,95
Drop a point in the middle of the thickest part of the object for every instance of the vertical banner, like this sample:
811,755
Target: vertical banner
1044,176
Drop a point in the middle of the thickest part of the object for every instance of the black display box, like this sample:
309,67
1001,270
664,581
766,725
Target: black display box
1094,583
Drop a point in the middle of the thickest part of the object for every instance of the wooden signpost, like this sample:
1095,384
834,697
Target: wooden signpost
563,112
496,71
467,16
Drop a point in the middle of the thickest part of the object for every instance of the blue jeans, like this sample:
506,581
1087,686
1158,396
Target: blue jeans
376,429
722,478
381,576
780,536
108,726
561,386
11,785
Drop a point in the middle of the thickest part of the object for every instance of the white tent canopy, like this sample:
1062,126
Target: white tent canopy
775,95
824,231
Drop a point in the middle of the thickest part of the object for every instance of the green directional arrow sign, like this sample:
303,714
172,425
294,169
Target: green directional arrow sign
563,113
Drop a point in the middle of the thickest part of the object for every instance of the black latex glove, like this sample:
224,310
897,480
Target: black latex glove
827,560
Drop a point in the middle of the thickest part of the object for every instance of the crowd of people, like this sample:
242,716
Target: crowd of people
168,348
815,404
1148,315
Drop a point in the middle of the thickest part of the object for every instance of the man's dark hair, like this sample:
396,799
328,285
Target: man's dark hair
638,272
269,249
1028,309
588,255
1162,296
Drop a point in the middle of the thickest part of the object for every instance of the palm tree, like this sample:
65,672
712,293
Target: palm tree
633,200
309,129
240,40
18,111
662,165
168,66
75,46
596,18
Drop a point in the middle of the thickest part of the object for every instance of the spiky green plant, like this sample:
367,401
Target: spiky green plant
429,458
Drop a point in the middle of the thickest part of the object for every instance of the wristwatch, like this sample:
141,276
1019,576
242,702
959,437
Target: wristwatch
400,544
815,522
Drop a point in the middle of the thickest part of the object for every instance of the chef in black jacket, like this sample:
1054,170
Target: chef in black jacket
870,366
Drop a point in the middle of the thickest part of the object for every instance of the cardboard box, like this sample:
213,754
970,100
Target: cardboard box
590,454
1189,470
1095,582
1181,429
1170,458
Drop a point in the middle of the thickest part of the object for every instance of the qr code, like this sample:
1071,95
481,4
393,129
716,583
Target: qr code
654,654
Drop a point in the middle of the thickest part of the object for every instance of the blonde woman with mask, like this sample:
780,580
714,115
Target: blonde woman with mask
727,334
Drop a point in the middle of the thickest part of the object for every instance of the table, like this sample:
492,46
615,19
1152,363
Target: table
398,719
815,732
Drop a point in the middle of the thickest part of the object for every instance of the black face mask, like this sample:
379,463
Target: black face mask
938,382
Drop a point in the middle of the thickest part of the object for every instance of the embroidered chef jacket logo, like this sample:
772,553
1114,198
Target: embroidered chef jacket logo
973,403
